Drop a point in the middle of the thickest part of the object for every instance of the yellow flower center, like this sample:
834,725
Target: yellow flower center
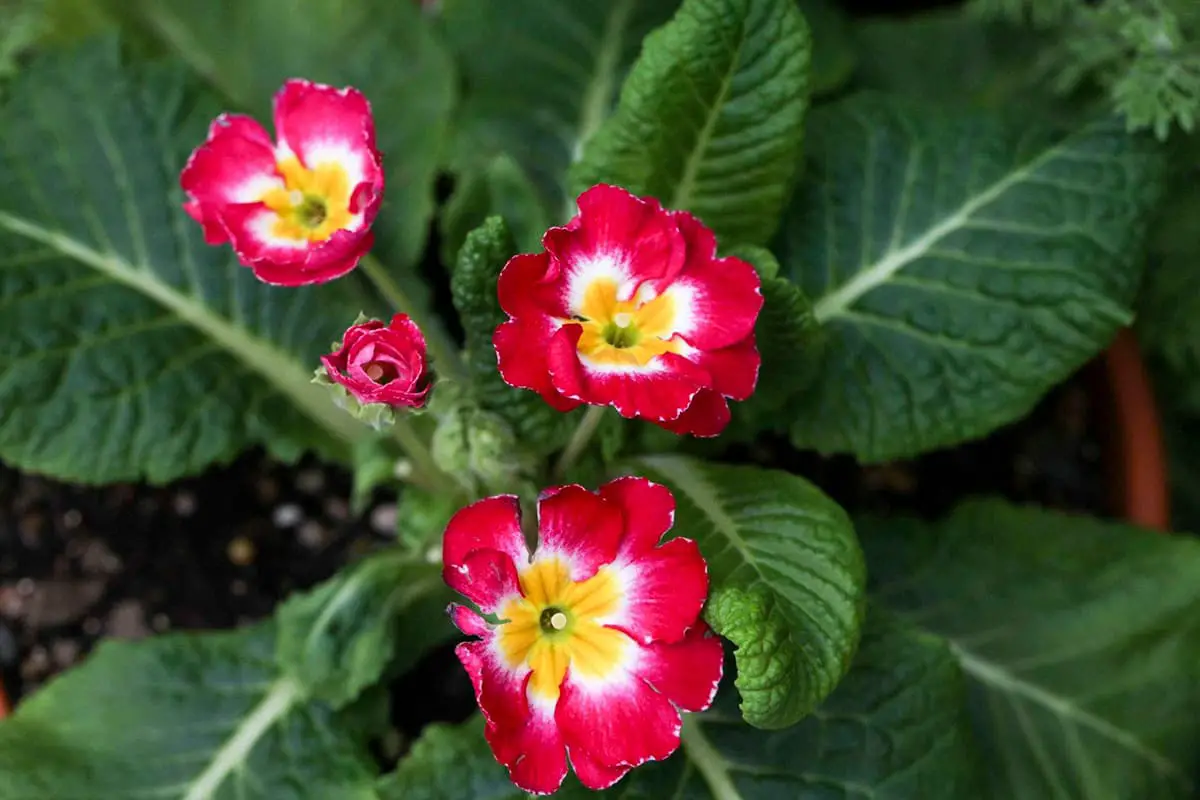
555,626
626,333
314,203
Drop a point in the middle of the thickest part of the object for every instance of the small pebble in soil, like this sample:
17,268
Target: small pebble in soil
383,518
127,620
11,604
92,626
311,534
184,503
287,515
337,509
72,518
403,469
310,481
238,588
241,551
160,623
64,652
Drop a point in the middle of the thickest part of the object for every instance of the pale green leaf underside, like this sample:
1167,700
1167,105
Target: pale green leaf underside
895,729
961,265
248,48
373,618
711,118
181,718
542,76
128,347
786,576
1080,640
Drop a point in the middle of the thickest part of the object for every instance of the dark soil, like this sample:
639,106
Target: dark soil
126,561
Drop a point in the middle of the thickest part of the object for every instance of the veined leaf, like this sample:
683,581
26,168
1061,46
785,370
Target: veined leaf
128,348
960,264
711,117
1080,640
377,616
896,727
182,717
542,76
787,579
386,49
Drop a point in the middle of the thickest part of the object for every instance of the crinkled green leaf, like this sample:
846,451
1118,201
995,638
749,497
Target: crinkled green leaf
960,263
374,618
1079,638
896,727
711,117
542,76
129,349
386,49
486,250
183,717
786,574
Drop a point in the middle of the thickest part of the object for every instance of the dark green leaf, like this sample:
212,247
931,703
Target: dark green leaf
128,348
373,618
833,47
1079,638
961,265
500,188
543,75
183,717
786,575
711,118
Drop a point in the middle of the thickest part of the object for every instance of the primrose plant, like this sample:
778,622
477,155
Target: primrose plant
678,249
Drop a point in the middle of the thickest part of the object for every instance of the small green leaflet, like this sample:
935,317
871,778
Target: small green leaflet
961,265
1079,638
183,717
786,577
711,117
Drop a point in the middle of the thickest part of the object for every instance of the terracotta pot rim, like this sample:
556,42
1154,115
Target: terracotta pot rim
1136,456
3,701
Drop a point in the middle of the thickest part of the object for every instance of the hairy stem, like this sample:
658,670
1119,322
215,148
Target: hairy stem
579,439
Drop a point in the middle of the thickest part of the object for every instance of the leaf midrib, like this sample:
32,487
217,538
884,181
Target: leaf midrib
274,366
865,280
999,678
276,703
682,196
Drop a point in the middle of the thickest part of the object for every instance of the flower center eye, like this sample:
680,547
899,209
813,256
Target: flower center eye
311,212
621,332
553,620
380,373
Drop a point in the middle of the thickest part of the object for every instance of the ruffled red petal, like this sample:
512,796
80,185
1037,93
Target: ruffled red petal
524,738
521,346
649,510
467,621
592,773
580,527
719,298
665,589
706,417
235,165
686,672
486,577
530,285
616,234
618,722
333,258
493,523
733,371
321,124
661,394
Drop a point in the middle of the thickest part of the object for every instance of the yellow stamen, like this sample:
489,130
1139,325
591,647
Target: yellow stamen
555,626
625,332
313,204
